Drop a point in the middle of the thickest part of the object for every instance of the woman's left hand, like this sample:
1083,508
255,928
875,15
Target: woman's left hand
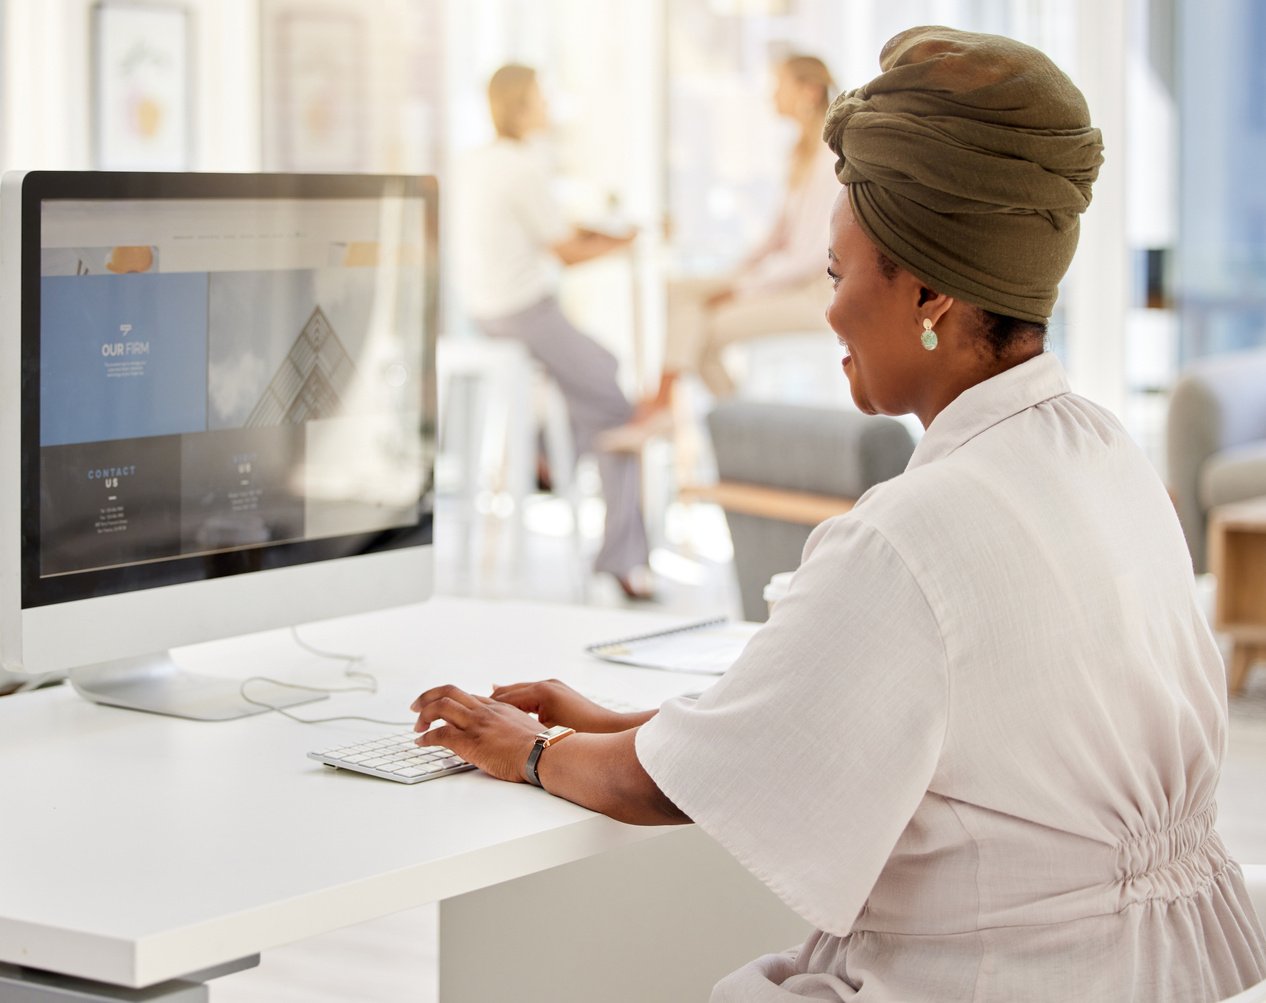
554,702
495,736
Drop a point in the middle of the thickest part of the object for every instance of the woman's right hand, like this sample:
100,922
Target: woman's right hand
554,702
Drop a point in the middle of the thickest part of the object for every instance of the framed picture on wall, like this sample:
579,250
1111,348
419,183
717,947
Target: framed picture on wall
141,95
315,86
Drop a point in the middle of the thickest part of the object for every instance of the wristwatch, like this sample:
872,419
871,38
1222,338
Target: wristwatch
543,741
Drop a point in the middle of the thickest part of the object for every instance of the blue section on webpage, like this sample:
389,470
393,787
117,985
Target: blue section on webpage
122,356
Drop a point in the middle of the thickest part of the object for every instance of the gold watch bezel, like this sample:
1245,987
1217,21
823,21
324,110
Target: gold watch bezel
555,734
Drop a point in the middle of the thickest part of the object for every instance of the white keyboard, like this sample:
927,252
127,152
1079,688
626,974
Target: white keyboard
394,757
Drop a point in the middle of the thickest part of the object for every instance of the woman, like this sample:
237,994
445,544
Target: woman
777,288
511,239
977,744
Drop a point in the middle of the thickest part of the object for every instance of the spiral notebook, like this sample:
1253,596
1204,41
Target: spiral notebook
710,646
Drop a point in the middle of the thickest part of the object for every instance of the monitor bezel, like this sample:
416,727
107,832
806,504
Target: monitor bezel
352,569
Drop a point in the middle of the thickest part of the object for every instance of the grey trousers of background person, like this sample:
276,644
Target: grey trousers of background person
586,374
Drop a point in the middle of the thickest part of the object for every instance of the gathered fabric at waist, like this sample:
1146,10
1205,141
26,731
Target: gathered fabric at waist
1171,863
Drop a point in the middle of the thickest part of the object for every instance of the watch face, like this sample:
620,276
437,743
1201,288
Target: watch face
552,735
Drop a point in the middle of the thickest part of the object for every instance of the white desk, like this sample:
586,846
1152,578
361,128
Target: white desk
137,849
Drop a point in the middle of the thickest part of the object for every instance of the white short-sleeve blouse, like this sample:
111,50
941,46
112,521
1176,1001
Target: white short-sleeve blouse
977,745
507,220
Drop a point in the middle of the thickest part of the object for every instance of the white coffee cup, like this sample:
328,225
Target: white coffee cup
777,588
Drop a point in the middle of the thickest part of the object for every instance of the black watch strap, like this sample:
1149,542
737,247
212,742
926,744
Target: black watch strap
529,769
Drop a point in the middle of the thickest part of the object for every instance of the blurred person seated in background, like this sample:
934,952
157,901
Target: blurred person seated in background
511,239
777,288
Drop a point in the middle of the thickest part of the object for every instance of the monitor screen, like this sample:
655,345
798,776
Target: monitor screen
221,375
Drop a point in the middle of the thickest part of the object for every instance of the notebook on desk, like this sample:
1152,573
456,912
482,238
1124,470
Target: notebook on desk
708,646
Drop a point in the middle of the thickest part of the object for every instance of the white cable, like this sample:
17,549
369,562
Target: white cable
370,686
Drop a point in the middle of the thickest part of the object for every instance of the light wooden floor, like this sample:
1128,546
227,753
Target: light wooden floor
393,960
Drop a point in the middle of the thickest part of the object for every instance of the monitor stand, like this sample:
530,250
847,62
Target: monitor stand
156,684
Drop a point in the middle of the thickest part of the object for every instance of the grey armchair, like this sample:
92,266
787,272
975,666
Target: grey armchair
1215,440
783,468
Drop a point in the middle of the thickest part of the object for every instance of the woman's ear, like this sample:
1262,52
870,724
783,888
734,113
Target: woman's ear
933,305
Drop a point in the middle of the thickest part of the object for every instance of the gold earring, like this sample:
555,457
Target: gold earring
928,337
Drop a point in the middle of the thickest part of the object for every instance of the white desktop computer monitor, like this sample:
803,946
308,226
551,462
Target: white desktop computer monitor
217,416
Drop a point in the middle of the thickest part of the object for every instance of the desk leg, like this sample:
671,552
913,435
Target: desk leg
659,920
30,985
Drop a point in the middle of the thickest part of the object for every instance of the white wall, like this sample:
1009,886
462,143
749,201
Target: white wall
1098,282
48,86
226,93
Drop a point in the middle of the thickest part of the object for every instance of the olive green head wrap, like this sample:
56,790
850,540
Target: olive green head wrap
968,160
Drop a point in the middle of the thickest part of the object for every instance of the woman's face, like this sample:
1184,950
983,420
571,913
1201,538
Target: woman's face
875,319
791,96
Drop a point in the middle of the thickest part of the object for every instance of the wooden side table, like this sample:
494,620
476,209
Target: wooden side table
1237,558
